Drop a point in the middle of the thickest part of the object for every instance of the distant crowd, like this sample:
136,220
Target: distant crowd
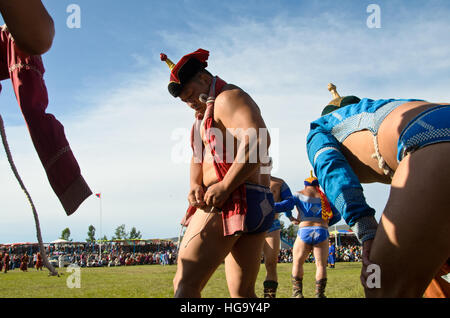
344,253
162,253
123,259
89,255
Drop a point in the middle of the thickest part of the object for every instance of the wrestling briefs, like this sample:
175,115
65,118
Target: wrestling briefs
276,225
260,208
313,235
429,127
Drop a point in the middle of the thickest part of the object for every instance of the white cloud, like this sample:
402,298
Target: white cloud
124,143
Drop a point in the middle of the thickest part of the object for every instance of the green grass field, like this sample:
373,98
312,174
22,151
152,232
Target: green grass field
155,281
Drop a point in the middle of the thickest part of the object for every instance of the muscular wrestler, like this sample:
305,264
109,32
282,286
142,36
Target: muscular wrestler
284,202
315,214
404,143
230,199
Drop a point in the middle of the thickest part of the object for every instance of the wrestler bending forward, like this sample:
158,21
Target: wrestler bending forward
231,181
404,143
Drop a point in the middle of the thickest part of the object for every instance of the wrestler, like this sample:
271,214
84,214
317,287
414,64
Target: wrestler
404,143
315,214
284,202
231,206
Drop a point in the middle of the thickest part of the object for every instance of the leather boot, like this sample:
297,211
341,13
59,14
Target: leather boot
270,289
297,287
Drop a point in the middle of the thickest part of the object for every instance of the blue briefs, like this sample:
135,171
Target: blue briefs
430,127
260,208
313,235
276,225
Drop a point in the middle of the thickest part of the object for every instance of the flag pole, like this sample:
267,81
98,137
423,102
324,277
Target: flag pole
101,237
335,235
99,195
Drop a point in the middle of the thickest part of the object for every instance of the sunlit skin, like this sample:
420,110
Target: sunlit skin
204,253
30,25
417,209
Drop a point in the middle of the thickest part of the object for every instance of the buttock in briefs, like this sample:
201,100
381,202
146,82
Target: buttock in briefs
260,208
429,127
313,235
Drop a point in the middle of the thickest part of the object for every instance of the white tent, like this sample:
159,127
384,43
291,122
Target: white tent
60,241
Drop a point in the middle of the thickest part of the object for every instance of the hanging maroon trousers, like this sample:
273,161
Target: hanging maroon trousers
47,133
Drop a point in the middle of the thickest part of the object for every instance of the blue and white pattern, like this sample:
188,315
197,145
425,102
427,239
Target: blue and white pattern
430,127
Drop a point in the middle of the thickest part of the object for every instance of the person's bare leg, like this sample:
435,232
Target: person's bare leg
242,265
200,254
300,253
271,253
412,242
321,256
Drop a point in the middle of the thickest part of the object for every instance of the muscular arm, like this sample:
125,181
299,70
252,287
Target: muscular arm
30,25
196,193
196,176
287,201
236,111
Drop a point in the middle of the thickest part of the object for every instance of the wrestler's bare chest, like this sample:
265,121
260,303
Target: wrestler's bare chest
222,135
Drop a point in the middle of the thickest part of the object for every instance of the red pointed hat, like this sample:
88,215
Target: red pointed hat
185,69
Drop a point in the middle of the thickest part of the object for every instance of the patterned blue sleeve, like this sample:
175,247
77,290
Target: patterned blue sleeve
287,201
335,175
336,216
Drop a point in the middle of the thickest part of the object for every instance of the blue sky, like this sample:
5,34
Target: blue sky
108,87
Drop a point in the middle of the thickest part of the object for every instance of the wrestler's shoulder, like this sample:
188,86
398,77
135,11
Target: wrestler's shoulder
231,94
277,180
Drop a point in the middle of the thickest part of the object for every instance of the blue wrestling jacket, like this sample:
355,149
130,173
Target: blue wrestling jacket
340,183
310,209
287,201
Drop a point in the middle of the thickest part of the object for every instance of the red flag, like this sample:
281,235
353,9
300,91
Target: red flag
98,195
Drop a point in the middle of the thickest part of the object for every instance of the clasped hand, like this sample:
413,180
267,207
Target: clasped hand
215,196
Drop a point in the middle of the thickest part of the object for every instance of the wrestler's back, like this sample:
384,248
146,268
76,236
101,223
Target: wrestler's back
359,147
312,194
